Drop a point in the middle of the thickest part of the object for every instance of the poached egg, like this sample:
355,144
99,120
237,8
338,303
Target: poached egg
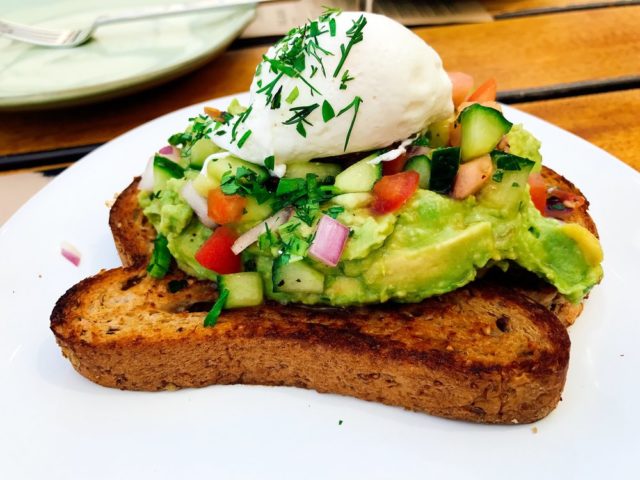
346,82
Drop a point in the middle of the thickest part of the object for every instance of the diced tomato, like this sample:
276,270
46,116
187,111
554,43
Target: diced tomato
485,92
461,83
538,191
223,208
392,192
215,254
394,166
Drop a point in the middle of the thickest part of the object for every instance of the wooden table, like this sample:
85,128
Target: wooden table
574,63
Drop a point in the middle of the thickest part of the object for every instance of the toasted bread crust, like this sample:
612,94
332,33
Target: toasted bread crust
482,354
132,233
133,236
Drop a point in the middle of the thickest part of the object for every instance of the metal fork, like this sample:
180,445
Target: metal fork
48,37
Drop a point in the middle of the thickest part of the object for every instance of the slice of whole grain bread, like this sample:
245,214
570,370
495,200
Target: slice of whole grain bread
482,354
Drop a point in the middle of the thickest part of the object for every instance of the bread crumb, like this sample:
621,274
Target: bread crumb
449,348
487,330
534,430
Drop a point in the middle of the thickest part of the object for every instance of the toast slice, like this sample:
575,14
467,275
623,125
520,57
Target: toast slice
133,236
483,353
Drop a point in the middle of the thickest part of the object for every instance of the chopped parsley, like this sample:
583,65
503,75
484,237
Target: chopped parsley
270,162
304,195
245,182
345,78
200,128
327,111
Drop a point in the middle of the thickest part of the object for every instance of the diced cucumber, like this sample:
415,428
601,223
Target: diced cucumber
200,151
359,177
297,277
444,167
203,184
217,168
422,165
509,179
254,211
245,289
322,170
482,129
352,201
439,133
163,170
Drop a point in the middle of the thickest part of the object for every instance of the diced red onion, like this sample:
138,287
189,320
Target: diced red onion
328,244
70,252
147,179
251,236
197,203
172,153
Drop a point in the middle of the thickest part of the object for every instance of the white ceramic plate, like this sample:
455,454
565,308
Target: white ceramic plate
121,58
56,424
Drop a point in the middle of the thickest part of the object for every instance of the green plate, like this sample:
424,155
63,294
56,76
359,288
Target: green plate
121,59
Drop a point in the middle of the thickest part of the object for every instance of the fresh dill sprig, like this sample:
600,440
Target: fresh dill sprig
355,36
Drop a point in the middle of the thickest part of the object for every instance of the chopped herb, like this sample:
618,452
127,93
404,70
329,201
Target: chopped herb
327,111
277,99
314,70
160,258
241,118
333,212
245,183
497,176
305,195
258,70
355,36
288,185
270,162
268,88
329,12
340,422
200,127
508,161
212,317
175,286
515,184
422,140
299,117
345,78
332,27
355,105
244,138
292,96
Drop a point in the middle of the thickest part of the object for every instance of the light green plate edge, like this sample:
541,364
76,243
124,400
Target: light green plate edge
109,90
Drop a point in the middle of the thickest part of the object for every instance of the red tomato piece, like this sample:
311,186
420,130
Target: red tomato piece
215,254
394,166
485,92
461,84
538,191
223,208
393,191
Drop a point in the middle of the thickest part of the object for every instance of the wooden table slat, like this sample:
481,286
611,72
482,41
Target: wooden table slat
608,120
520,53
507,7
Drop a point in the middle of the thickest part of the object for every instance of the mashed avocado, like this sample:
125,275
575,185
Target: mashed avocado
432,245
